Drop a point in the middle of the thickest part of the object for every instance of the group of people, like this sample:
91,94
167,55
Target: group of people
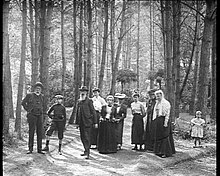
101,122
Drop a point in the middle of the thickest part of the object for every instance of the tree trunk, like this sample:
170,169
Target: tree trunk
138,40
63,48
46,16
192,103
176,54
76,66
205,59
89,50
213,94
104,46
22,68
151,52
169,82
115,70
80,44
6,71
112,33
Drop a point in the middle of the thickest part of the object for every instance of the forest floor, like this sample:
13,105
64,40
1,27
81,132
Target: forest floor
186,161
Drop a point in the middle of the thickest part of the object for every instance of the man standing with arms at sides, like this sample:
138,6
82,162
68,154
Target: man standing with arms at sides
34,104
98,102
85,119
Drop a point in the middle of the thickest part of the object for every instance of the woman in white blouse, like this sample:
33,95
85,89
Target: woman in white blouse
164,144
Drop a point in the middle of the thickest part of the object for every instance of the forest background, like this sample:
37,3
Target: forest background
118,46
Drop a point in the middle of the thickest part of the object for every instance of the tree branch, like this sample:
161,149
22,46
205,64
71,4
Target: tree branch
193,9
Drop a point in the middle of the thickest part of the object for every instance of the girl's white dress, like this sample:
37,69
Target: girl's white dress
197,127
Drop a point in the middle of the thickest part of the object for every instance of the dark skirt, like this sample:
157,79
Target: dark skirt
149,135
106,138
94,132
164,144
119,131
137,129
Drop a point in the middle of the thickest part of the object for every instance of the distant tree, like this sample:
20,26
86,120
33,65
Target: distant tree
126,76
22,70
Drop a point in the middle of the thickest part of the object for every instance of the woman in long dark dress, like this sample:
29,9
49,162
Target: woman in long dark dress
120,112
164,144
137,129
106,137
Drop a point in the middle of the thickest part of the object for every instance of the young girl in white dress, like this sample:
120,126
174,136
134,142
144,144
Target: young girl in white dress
197,128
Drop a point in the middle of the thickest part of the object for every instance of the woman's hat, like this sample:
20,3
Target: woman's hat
109,97
136,94
96,89
152,91
119,96
83,88
59,97
38,84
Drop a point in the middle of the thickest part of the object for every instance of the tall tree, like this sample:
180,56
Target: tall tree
213,91
120,38
80,44
196,57
176,54
6,71
89,50
138,47
22,68
112,35
203,81
104,45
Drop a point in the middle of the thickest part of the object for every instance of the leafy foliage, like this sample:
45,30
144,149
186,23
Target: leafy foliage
126,76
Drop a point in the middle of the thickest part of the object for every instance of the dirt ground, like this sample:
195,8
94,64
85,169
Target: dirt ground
124,162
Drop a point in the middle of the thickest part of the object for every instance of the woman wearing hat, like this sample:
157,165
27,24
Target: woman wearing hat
137,130
98,102
106,137
120,112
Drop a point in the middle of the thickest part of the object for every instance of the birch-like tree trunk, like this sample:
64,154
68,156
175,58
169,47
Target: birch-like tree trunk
104,46
80,45
22,68
138,47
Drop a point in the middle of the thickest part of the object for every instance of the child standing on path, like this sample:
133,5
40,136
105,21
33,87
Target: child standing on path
197,128
58,122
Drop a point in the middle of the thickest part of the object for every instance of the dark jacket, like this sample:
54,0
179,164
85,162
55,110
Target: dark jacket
59,112
34,104
86,113
122,112
104,112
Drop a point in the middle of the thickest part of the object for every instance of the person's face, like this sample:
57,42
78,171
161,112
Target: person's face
198,115
158,96
136,98
110,101
59,100
37,90
116,100
152,96
96,93
83,93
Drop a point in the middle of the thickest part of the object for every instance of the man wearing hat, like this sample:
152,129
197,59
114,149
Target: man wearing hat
85,119
148,134
58,122
98,102
35,105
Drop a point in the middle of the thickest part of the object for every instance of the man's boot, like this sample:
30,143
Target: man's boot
46,148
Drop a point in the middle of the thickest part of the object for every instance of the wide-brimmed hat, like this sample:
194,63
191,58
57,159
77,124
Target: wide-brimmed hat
38,84
59,97
96,89
83,88
120,96
152,91
109,97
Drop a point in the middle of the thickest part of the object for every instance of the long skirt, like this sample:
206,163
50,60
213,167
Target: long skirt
164,144
137,129
149,135
106,138
94,132
119,131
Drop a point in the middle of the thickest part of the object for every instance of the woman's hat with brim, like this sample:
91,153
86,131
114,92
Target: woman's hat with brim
83,88
136,94
59,97
152,91
96,89
119,96
109,97
38,84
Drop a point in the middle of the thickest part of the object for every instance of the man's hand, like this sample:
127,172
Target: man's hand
96,125
77,126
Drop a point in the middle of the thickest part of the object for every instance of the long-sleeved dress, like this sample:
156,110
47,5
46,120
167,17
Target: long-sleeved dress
106,136
197,128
